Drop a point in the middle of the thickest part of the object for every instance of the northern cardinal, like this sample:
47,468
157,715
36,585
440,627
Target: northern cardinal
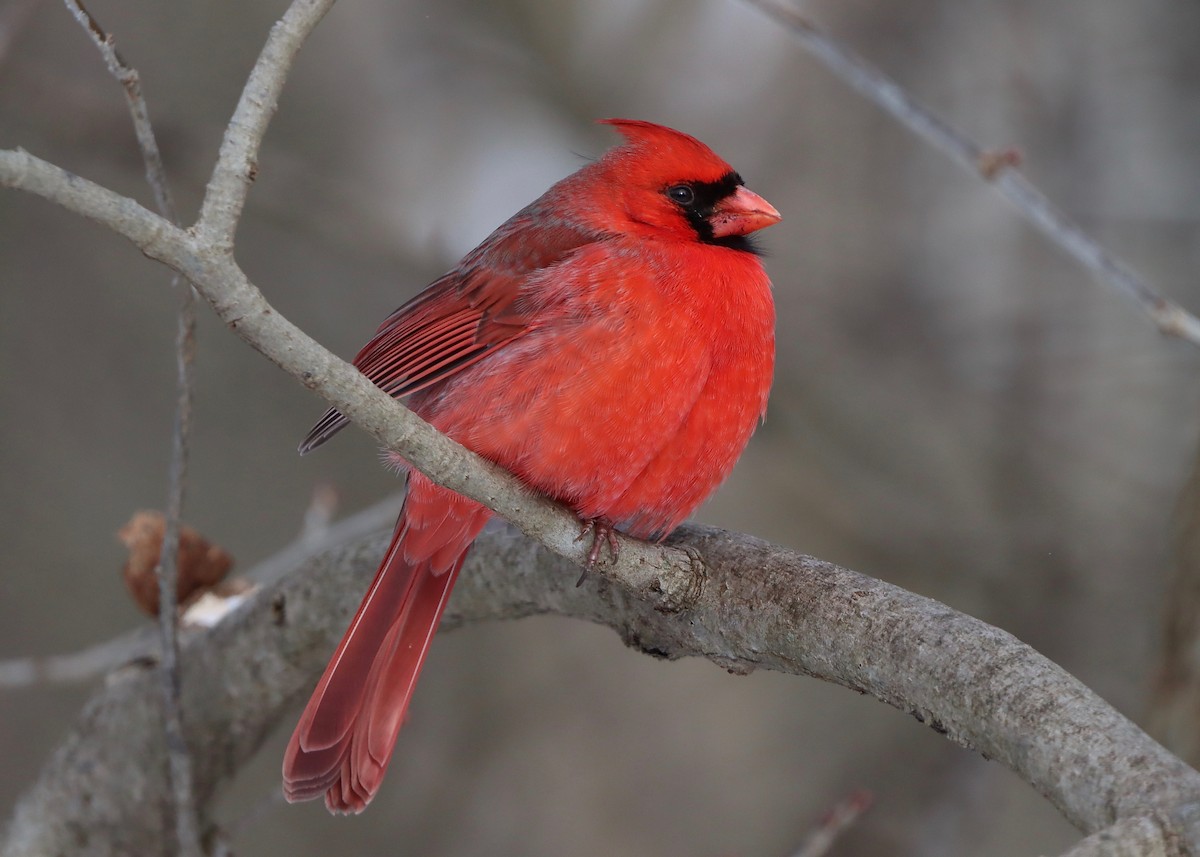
611,344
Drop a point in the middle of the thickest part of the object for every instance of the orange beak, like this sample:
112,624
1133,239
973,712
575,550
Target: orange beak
741,213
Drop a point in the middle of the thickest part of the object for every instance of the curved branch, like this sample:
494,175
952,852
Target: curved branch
974,683
1143,836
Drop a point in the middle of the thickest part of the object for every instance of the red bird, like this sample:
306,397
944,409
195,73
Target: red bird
612,345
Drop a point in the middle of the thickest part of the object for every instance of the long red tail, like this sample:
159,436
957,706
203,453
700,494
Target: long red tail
344,740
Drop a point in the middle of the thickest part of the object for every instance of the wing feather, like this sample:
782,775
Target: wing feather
461,317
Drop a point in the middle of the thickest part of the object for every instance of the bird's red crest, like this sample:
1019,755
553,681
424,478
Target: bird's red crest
670,147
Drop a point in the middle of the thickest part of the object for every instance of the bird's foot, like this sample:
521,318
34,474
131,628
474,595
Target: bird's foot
601,531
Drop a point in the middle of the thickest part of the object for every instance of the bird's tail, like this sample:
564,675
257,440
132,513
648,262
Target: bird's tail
344,740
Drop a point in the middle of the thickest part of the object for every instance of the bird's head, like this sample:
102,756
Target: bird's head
667,183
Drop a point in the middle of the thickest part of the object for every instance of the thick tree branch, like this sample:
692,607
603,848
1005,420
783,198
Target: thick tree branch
759,606
1144,836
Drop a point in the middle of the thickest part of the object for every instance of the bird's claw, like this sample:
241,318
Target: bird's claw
601,531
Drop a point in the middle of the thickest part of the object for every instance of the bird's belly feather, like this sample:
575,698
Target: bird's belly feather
634,423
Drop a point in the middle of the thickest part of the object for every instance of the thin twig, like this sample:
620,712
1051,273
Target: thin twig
73,667
836,821
997,167
321,509
186,820
178,756
101,658
129,79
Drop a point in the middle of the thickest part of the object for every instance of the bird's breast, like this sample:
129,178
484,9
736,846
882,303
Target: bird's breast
631,395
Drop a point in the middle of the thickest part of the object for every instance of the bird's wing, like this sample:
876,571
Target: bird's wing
459,318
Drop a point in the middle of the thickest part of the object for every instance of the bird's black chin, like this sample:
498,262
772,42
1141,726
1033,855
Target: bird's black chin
703,202
744,243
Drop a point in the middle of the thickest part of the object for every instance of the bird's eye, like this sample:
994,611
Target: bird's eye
682,194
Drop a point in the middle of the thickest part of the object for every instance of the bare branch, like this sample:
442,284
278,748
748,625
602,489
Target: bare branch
237,162
320,512
1174,708
23,171
127,76
837,820
89,663
975,684
998,167
167,571
1144,836
178,756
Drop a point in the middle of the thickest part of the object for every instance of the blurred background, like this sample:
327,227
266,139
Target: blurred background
959,409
